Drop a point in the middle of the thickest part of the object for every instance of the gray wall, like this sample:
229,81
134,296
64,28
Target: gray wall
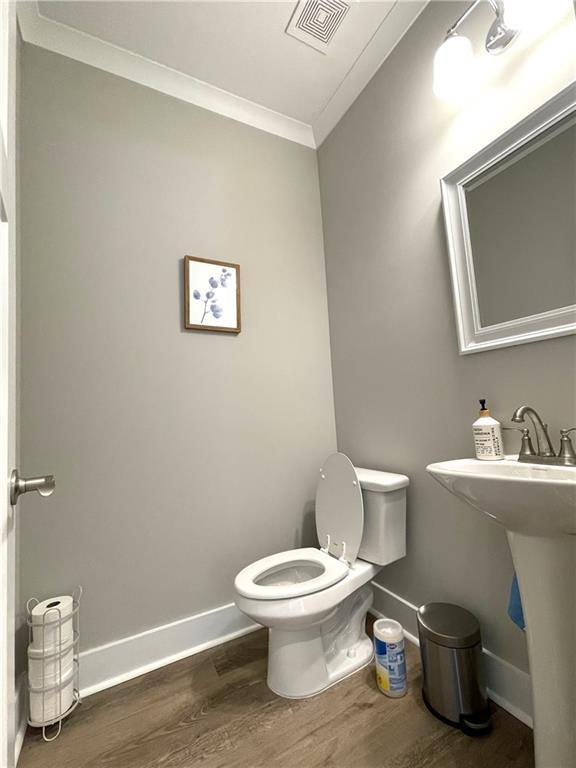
403,396
180,456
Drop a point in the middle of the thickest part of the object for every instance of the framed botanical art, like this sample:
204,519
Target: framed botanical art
211,295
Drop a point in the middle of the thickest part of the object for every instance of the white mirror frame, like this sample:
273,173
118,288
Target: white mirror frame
472,337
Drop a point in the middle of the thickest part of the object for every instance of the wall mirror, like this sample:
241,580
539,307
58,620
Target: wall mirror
510,214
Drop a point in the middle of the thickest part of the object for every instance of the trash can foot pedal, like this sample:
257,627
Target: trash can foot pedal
478,724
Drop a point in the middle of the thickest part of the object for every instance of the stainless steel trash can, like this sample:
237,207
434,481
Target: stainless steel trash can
451,651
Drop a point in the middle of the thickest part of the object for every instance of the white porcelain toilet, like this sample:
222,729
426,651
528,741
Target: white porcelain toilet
315,600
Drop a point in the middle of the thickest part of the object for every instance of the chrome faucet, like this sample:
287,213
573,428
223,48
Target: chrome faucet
545,453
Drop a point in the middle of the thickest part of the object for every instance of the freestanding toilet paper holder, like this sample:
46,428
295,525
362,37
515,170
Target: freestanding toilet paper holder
56,685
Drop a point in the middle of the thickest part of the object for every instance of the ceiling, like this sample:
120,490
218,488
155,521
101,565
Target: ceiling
241,48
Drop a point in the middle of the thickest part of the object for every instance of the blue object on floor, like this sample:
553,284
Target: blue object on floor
515,605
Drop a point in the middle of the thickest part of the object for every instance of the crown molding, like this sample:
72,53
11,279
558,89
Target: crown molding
389,33
77,45
80,46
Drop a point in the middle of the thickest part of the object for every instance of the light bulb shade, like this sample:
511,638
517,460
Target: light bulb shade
453,68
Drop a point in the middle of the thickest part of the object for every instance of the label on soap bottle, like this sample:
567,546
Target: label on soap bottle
488,441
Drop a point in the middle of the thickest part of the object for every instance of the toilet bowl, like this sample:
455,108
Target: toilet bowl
314,600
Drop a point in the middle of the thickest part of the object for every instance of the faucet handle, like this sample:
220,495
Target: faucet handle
567,452
526,447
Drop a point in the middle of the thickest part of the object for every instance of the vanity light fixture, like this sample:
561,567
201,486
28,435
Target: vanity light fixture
454,60
453,67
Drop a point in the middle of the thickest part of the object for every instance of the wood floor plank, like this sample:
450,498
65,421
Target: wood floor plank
214,710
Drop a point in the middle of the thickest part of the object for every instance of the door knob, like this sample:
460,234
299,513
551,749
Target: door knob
44,484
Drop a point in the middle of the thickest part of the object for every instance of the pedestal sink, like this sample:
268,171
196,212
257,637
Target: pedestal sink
537,506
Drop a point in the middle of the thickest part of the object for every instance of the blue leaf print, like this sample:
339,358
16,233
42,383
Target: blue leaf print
211,307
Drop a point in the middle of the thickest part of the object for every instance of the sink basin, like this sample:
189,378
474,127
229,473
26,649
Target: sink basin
537,505
532,498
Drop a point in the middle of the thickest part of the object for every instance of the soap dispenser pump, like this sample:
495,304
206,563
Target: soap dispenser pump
487,436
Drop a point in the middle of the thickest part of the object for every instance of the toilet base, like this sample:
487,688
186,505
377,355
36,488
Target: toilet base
305,662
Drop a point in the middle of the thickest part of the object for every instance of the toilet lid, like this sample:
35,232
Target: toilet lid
339,507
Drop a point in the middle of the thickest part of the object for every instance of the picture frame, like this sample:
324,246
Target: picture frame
211,295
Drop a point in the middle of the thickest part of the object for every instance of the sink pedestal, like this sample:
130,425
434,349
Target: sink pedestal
536,504
546,571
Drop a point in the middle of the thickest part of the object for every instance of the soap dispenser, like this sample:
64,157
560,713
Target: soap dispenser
487,436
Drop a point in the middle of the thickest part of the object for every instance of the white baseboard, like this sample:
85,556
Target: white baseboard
20,715
124,659
121,660
507,686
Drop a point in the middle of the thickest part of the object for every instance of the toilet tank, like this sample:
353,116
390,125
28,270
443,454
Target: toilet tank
384,496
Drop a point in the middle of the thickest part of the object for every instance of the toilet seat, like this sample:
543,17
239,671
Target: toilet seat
289,574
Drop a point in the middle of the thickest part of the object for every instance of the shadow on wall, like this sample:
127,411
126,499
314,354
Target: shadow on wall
181,261
306,535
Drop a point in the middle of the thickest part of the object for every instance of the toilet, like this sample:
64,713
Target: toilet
314,601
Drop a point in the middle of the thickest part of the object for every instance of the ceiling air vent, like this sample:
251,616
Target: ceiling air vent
315,22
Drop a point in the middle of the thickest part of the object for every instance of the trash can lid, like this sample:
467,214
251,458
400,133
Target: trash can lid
448,625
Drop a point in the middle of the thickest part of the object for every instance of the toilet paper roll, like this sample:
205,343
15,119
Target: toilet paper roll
49,704
47,670
52,623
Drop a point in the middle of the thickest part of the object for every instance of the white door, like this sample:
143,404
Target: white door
8,409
